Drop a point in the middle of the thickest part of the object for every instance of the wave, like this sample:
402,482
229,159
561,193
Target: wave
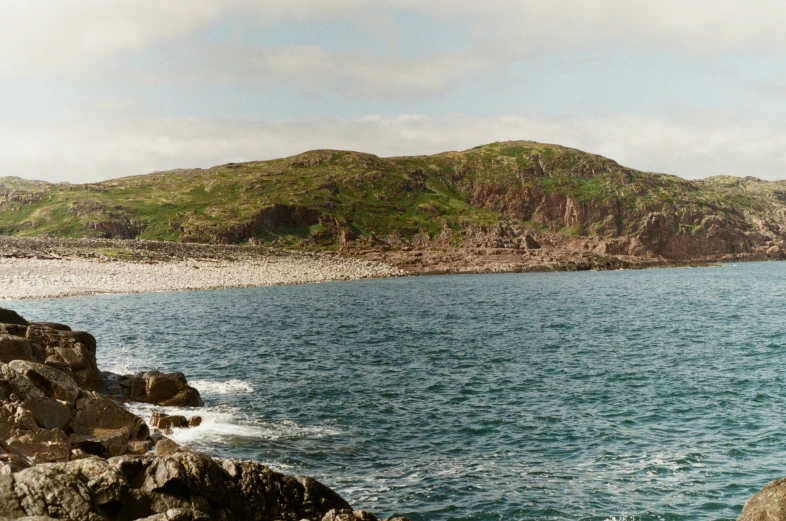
223,423
229,387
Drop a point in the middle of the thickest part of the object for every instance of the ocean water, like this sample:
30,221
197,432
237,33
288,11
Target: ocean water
629,395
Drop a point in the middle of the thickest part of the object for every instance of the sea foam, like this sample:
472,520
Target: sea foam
229,387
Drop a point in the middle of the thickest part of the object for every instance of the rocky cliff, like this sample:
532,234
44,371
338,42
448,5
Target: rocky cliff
512,195
70,451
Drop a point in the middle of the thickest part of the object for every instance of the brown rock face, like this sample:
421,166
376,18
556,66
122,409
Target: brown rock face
769,504
73,352
168,389
183,485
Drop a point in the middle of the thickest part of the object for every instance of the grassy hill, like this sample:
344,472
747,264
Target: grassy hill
489,195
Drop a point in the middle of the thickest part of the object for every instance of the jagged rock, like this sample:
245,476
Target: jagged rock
73,352
52,382
769,504
167,389
166,422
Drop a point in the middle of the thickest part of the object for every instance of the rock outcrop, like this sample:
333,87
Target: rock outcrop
70,452
769,504
183,486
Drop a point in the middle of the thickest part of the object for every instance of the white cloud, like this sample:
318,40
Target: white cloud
353,74
693,146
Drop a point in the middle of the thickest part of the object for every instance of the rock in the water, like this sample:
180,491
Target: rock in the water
769,504
195,421
166,422
167,389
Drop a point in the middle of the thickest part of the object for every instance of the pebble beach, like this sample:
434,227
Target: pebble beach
58,273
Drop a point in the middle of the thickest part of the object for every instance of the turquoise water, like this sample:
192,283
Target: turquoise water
655,394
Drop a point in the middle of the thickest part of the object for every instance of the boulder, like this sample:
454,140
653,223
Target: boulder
195,421
13,329
166,422
53,325
14,348
165,447
166,389
50,381
8,316
184,485
769,504
73,352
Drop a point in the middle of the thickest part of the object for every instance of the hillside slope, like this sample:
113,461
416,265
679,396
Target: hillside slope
515,195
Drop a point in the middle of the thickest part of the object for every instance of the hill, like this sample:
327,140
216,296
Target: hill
516,195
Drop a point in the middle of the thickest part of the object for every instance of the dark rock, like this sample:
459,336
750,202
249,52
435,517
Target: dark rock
14,348
8,316
167,389
53,325
166,422
13,329
195,421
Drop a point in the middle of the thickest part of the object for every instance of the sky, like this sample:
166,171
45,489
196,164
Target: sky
98,89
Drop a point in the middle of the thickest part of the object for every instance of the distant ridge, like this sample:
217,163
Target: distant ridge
515,195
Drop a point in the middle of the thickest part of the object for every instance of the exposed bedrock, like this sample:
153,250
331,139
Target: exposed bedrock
183,486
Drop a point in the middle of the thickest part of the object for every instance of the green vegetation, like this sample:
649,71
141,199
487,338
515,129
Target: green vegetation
316,199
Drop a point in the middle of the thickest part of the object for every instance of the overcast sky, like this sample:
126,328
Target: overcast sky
96,89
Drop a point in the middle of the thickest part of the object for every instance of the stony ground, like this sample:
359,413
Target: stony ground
48,268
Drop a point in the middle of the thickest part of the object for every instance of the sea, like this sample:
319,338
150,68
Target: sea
653,394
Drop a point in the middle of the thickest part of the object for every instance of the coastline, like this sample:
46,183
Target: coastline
56,268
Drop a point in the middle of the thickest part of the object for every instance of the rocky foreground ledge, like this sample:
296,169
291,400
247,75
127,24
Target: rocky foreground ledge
70,451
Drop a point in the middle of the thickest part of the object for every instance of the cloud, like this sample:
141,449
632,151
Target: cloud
692,146
353,74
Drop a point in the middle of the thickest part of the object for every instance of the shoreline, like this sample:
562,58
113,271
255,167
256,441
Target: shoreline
60,268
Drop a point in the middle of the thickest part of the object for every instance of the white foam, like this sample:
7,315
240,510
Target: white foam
229,387
223,423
